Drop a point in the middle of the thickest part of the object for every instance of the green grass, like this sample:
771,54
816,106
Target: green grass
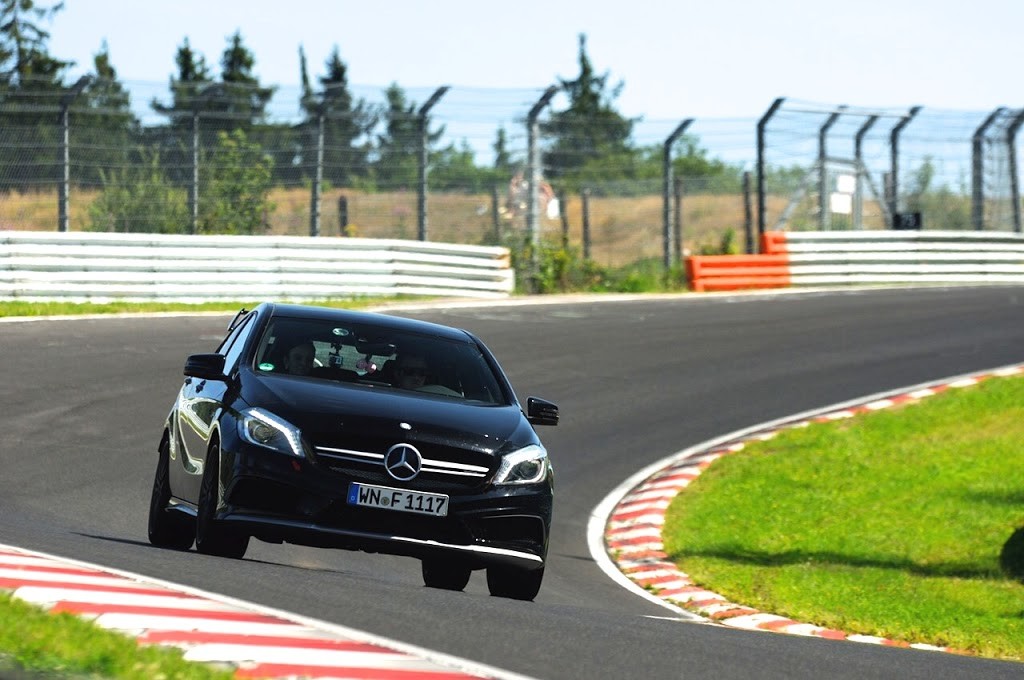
906,523
34,643
15,308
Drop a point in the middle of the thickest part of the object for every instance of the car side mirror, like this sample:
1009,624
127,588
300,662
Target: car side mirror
205,366
541,412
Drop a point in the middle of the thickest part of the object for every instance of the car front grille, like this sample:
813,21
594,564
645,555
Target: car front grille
439,472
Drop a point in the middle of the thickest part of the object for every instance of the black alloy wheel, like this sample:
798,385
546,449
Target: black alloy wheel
167,529
446,574
212,538
517,584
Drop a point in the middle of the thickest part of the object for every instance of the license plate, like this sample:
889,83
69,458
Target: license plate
387,498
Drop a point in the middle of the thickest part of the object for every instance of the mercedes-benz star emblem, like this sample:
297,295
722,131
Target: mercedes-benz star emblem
403,462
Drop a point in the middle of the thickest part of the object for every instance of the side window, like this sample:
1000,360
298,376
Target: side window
233,345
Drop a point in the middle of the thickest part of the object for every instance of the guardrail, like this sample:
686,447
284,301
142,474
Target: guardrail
822,258
85,266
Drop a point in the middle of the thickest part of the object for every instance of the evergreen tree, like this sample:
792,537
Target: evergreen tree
242,102
589,137
23,53
31,88
502,157
398,148
172,143
347,123
106,130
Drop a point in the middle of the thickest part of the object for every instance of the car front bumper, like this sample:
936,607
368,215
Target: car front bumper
279,498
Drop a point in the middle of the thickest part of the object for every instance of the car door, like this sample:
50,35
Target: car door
200,403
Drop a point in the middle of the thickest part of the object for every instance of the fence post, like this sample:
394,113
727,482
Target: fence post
64,188
748,218
761,127
1011,143
978,168
533,159
205,95
823,188
496,214
421,194
677,195
668,249
858,161
585,196
318,177
343,215
894,161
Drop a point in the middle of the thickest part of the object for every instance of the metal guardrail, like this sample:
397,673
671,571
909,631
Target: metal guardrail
822,258
96,267
867,257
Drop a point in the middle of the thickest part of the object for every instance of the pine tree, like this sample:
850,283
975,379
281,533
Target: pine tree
106,129
242,102
31,88
23,54
590,130
347,123
398,148
193,77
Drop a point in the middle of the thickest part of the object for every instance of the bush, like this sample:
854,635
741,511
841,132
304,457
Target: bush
139,198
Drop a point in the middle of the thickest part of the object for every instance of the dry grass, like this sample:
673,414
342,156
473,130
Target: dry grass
622,229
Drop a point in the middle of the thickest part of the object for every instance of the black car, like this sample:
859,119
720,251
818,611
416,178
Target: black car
359,431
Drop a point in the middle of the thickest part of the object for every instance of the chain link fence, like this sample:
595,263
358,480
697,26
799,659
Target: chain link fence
100,158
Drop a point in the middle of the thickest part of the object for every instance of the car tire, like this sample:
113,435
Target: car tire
517,584
167,529
445,574
212,538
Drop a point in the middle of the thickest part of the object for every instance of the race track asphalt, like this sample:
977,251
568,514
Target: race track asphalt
82,403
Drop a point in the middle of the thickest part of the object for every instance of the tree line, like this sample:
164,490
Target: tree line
372,147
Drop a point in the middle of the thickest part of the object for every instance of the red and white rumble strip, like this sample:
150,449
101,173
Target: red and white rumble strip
255,641
632,525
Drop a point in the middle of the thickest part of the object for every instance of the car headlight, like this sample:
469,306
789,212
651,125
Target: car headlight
267,430
528,465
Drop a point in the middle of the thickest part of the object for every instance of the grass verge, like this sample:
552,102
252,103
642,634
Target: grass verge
906,523
36,644
22,309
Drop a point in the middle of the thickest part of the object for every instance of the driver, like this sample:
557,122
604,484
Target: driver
298,360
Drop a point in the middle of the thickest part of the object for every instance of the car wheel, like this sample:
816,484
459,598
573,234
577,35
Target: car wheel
167,529
212,538
518,584
445,574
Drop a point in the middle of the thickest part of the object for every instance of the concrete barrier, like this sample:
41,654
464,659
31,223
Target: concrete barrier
823,258
85,266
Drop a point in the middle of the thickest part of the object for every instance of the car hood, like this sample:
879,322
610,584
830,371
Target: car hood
329,411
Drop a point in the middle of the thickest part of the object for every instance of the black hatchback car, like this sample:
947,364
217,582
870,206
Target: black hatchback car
359,431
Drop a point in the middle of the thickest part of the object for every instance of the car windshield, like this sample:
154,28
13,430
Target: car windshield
378,357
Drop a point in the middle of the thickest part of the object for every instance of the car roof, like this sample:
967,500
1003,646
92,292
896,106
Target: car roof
313,312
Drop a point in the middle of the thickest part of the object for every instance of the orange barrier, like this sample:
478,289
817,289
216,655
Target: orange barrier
736,272
773,242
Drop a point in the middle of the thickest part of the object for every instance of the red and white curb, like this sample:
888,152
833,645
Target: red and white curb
256,641
625,530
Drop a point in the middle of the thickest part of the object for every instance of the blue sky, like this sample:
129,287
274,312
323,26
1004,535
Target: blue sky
677,59
721,62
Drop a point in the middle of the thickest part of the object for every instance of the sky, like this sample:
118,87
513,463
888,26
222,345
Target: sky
675,59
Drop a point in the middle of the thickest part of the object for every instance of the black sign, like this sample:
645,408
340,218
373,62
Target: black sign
907,221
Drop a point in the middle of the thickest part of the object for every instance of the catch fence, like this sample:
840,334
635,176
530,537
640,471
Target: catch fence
433,169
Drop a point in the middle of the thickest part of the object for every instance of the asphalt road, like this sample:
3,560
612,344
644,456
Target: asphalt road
82,402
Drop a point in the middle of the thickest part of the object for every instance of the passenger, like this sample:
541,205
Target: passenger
411,372
298,360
